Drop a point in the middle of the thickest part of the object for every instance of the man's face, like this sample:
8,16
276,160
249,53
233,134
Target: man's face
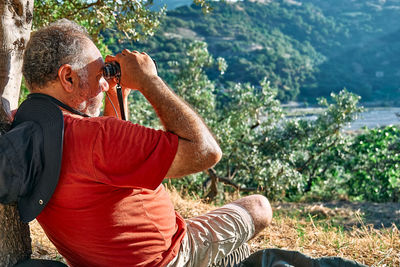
91,83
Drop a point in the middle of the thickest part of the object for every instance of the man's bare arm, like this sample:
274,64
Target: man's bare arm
111,107
197,148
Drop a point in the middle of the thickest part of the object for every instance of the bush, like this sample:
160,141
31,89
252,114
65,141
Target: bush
373,165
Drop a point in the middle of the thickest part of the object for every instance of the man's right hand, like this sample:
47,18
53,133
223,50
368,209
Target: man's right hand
136,68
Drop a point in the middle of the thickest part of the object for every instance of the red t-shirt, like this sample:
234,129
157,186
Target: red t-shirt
109,207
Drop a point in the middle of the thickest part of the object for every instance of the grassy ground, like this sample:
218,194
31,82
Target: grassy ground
365,232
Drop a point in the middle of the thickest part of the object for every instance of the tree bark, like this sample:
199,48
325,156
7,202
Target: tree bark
15,241
15,26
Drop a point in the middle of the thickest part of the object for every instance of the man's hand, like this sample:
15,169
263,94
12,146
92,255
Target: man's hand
136,68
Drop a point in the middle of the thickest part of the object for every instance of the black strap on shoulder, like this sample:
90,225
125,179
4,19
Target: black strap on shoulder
58,103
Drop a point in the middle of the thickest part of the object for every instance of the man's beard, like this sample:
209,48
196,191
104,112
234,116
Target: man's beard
92,106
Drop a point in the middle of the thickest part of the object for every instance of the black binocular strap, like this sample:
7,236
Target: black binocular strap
121,102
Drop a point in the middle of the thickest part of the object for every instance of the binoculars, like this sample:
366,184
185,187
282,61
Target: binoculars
111,70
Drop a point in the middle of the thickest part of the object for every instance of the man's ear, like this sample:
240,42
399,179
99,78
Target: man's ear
67,77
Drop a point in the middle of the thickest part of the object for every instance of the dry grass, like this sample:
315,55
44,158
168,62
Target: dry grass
42,248
311,229
365,244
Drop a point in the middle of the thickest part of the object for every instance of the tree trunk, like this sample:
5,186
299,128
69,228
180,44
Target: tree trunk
15,26
15,241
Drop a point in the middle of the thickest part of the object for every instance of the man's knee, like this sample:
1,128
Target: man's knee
259,209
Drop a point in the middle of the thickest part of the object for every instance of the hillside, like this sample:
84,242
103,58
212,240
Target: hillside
305,48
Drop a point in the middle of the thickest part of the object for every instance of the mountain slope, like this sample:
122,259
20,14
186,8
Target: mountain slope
305,48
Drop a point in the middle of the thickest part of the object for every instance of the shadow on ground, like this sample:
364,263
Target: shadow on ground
345,213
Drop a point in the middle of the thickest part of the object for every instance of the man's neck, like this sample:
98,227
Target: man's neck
56,91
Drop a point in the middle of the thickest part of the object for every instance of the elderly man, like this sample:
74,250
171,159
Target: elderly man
109,207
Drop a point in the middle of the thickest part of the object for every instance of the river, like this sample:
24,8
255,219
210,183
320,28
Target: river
376,117
370,118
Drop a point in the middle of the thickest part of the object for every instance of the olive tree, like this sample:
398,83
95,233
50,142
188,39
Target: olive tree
15,24
263,150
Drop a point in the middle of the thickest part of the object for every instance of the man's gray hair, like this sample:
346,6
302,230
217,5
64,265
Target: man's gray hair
59,43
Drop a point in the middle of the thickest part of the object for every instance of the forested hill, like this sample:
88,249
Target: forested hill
306,48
